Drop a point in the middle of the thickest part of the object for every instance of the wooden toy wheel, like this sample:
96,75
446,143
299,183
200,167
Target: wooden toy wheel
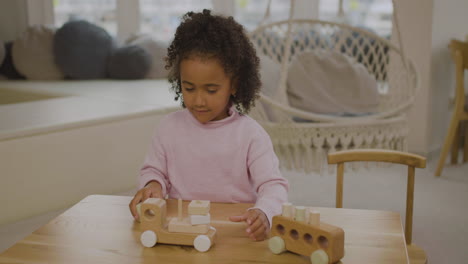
149,238
202,243
319,257
276,245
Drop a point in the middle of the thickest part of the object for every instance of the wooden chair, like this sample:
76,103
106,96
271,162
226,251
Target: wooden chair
415,253
459,51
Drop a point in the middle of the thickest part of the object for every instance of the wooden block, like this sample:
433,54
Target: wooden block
155,201
288,210
188,239
300,214
153,214
199,207
314,218
185,226
200,219
179,209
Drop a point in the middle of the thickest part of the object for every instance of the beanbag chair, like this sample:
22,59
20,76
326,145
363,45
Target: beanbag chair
7,68
82,49
129,62
33,54
329,82
157,51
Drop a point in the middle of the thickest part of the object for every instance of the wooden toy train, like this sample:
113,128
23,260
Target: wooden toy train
194,230
300,231
297,230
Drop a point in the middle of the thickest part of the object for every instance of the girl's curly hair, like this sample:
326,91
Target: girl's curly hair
213,36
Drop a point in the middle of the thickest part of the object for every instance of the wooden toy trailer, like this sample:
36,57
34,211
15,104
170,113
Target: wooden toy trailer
324,243
155,227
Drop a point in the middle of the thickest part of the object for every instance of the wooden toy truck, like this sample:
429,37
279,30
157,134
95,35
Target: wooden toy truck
156,228
324,243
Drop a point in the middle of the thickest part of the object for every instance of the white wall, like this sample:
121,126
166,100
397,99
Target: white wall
427,27
450,20
13,20
415,20
52,171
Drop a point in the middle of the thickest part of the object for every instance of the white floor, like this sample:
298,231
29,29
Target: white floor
440,224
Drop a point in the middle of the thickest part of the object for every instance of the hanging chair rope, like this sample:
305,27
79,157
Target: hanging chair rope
266,16
282,95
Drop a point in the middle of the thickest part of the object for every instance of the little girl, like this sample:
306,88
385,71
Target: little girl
211,150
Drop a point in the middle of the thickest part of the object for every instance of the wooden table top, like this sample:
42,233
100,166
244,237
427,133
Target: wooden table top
100,229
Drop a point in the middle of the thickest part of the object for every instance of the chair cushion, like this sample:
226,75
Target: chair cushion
33,54
270,74
7,68
82,49
157,51
329,82
129,62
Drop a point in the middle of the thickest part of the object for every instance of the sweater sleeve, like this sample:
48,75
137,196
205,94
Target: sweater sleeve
271,187
155,166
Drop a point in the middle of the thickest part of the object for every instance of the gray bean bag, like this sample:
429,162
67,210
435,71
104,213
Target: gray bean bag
157,51
82,49
129,62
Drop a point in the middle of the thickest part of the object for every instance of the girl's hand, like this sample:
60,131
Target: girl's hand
152,190
257,223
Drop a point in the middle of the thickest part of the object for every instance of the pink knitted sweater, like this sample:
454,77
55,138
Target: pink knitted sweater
229,160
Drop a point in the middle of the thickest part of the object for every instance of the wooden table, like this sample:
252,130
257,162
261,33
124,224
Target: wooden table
100,229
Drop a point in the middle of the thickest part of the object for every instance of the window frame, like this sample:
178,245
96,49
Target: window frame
128,13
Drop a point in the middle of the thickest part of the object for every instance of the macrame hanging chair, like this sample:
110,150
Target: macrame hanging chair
303,138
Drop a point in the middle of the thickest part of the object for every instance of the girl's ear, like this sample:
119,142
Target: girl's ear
234,88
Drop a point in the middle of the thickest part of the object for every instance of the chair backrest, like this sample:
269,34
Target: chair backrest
462,47
459,51
411,160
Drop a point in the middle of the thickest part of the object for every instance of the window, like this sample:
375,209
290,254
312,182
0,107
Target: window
160,18
99,12
375,15
250,13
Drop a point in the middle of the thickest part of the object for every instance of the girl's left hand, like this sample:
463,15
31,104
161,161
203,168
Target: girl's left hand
257,223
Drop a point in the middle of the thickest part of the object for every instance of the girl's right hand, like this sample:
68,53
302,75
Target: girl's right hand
152,190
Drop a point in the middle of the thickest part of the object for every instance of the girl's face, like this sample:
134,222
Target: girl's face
206,88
